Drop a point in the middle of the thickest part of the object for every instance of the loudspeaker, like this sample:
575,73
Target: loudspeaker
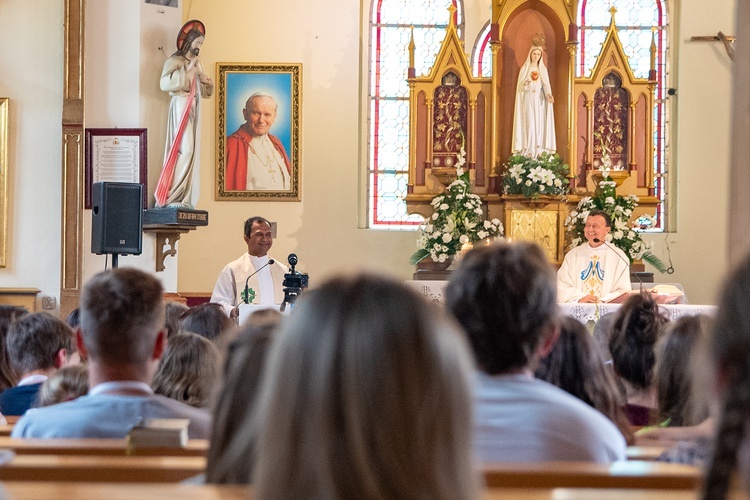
116,218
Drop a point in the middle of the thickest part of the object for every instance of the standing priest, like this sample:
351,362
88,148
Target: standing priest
263,275
595,271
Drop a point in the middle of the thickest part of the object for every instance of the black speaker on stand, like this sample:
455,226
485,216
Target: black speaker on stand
116,219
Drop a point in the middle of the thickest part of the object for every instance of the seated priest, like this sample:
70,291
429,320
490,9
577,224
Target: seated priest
595,271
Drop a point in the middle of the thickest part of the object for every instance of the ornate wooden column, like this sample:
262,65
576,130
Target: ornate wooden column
72,157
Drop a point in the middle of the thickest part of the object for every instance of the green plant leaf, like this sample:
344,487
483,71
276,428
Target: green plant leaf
655,262
418,256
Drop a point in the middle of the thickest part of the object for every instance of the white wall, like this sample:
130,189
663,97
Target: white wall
701,151
31,65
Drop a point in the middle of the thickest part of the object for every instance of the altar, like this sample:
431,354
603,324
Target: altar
435,291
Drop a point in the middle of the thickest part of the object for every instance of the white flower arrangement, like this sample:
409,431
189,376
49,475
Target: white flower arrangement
458,219
531,177
623,234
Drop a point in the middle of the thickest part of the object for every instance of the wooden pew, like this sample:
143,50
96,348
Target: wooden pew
123,491
626,474
6,429
588,494
643,452
113,469
126,491
92,446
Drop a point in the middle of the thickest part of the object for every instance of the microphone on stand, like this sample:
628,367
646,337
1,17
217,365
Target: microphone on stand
597,240
247,290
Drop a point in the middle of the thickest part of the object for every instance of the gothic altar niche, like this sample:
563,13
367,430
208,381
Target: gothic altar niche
598,120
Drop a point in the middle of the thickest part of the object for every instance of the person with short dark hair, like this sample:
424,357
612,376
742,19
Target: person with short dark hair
265,286
595,271
122,330
38,345
504,297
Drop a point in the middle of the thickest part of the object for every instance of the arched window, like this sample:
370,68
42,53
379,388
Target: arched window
635,21
391,24
481,56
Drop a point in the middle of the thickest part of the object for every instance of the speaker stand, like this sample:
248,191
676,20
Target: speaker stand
114,261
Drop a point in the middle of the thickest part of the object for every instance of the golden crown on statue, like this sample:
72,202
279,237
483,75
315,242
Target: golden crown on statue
537,39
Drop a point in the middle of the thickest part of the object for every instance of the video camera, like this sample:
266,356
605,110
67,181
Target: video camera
294,282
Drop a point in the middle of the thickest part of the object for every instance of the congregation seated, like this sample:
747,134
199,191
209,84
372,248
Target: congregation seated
123,334
230,455
638,325
189,370
38,345
366,395
68,383
575,366
505,298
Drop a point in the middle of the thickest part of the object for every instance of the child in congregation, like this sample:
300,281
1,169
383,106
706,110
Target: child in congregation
189,370
576,366
637,327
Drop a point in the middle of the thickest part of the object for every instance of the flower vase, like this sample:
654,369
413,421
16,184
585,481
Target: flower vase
429,265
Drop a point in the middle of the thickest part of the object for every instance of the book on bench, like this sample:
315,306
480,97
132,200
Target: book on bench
159,433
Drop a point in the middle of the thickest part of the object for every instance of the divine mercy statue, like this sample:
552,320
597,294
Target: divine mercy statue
185,80
534,119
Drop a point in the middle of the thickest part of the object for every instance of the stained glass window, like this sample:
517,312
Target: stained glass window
635,21
481,58
391,25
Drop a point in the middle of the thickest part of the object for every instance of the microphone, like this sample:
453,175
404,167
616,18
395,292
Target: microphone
627,262
292,259
247,290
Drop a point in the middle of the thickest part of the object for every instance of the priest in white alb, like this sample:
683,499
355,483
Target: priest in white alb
595,271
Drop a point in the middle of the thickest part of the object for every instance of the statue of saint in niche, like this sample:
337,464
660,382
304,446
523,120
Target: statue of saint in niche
534,119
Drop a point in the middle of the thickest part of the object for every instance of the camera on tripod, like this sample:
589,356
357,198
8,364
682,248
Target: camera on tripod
294,282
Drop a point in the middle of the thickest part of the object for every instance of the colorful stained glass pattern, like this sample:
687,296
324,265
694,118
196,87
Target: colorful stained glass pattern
388,124
635,20
482,55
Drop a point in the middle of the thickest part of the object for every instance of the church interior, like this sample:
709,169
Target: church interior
385,107
123,45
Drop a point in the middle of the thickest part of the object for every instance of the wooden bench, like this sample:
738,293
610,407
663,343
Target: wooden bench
626,474
93,446
123,491
127,491
78,468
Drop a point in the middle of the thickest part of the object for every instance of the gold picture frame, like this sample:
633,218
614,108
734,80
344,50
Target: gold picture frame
4,102
267,170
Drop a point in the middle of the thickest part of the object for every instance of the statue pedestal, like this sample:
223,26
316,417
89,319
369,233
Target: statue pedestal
541,220
168,224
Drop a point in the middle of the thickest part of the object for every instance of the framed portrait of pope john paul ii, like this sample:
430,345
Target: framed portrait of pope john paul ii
257,136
